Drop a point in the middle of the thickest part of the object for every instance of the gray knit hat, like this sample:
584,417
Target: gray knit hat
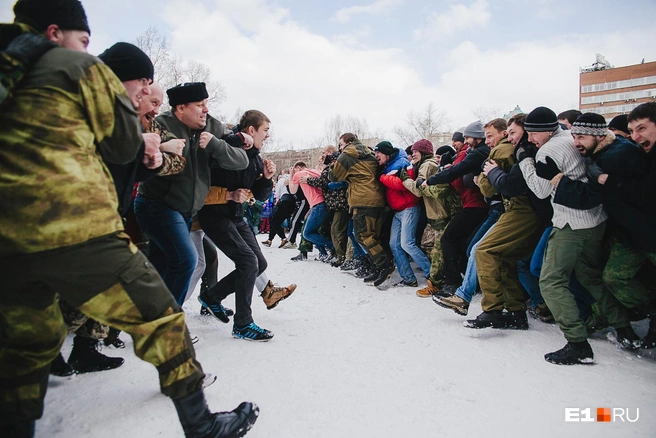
474,130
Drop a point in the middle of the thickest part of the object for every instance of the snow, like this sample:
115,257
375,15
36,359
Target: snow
349,360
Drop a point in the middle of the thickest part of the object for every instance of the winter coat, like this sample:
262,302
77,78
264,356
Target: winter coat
253,213
186,191
441,200
336,199
358,166
466,162
398,197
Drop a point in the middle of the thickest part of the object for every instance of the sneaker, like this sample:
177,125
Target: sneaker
289,245
627,338
302,256
404,283
350,265
493,318
282,243
542,312
60,368
204,311
85,357
267,243
516,320
216,309
571,354
454,302
384,274
272,295
251,333
428,291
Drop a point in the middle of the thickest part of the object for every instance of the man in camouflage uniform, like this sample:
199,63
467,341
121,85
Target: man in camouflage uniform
60,231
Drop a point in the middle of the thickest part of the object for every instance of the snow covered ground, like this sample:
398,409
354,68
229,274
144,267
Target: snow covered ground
349,360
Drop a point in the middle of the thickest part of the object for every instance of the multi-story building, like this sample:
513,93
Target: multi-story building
611,91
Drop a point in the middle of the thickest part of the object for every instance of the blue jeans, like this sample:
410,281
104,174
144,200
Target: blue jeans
402,244
469,283
357,249
318,215
171,249
492,218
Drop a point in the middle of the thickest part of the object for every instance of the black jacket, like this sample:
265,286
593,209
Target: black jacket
471,164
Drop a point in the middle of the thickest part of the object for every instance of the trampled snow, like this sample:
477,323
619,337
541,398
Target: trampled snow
349,360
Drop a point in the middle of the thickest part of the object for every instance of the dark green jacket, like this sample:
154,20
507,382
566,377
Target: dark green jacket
186,191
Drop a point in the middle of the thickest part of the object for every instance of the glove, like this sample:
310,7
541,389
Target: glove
547,170
525,151
419,182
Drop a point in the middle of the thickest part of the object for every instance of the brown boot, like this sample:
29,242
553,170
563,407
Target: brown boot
428,291
272,294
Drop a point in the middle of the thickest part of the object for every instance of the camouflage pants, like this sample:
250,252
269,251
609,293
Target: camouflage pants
111,281
367,225
620,276
305,245
437,259
80,324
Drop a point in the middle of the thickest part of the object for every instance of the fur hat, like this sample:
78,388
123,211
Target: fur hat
39,14
187,92
590,124
541,119
424,146
474,130
128,62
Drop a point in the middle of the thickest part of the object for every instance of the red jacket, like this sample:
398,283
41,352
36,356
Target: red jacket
398,197
470,197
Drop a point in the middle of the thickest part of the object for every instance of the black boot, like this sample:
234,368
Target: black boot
627,338
198,422
365,269
60,368
384,273
493,318
85,357
649,341
571,354
24,429
373,275
113,340
516,320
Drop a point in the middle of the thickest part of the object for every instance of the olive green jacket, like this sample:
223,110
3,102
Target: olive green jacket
358,166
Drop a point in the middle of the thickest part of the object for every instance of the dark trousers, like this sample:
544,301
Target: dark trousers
236,240
455,240
299,216
367,226
283,210
111,281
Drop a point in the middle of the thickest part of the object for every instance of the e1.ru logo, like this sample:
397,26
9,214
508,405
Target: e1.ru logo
604,415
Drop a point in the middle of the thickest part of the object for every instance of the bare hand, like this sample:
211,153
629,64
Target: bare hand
248,141
239,195
175,146
269,169
489,165
205,138
424,184
476,180
602,178
303,179
153,161
151,142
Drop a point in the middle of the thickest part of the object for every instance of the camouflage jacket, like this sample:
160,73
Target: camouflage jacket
358,166
441,200
336,199
68,114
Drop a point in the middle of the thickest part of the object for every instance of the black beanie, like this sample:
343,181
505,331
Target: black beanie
458,136
620,123
541,119
385,147
590,124
39,14
187,92
128,62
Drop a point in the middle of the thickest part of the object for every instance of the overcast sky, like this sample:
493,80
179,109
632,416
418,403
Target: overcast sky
303,62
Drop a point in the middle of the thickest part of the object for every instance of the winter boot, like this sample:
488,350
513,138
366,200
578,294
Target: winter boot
571,354
113,340
272,295
215,308
627,338
198,422
454,302
649,341
516,320
373,275
60,368
384,273
493,318
366,268
302,256
428,291
85,357
252,332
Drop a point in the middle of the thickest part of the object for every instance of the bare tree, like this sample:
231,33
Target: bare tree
487,113
338,125
171,69
425,124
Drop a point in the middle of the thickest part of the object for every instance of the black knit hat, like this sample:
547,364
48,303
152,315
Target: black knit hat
39,14
385,147
590,124
457,136
187,92
128,62
620,123
541,119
